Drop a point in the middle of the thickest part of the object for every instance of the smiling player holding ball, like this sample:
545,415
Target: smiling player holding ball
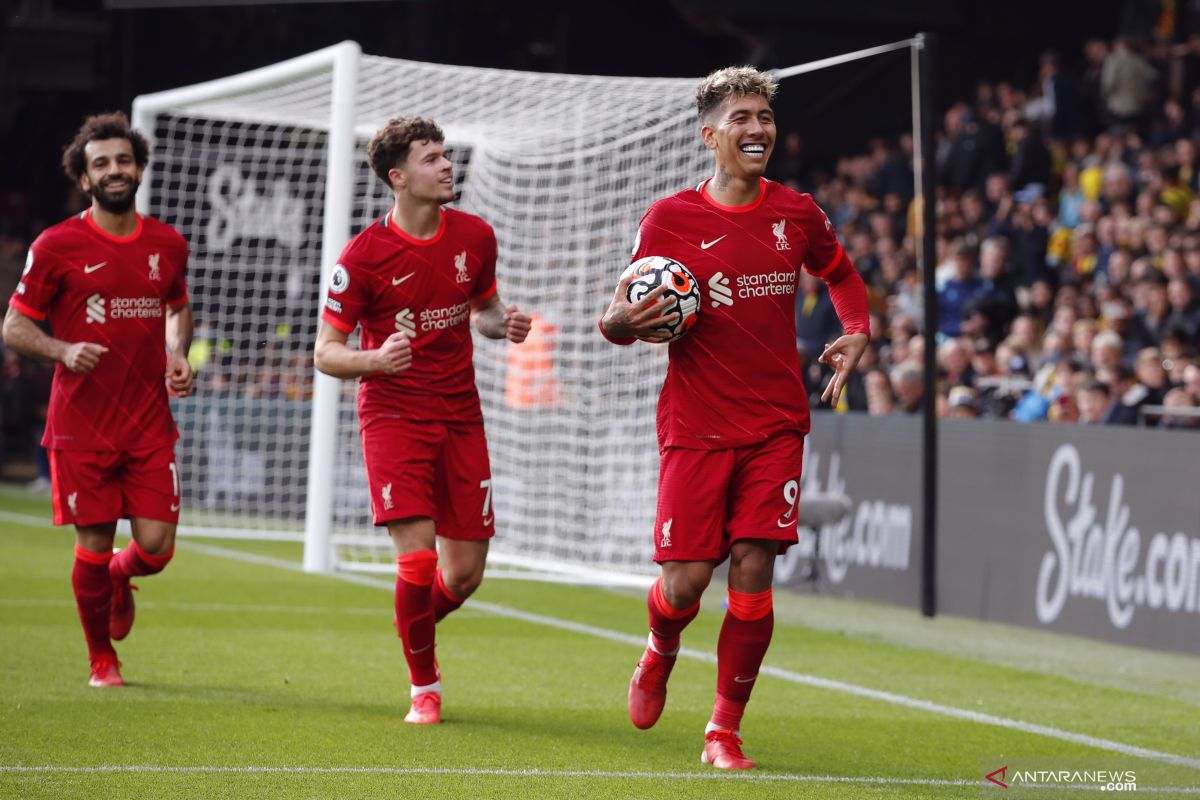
733,410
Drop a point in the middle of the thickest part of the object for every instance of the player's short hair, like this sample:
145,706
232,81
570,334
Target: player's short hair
114,125
730,82
389,147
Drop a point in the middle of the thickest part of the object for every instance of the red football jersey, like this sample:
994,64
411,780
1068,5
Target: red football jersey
388,282
114,291
734,379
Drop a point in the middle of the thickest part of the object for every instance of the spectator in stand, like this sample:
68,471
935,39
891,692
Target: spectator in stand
1070,197
1062,115
1153,308
1030,156
997,299
1150,373
908,384
1093,400
1126,399
1091,92
791,165
1083,333
1185,309
817,322
1180,399
955,362
962,403
958,291
880,399
1107,350
1126,83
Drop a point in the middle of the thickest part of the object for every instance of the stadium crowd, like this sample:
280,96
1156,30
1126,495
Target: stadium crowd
1068,248
1068,251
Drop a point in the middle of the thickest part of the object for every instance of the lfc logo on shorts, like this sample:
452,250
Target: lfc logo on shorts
386,494
155,274
71,498
665,541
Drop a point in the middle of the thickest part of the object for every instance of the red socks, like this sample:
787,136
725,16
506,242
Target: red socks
133,561
415,613
745,636
93,597
444,601
666,621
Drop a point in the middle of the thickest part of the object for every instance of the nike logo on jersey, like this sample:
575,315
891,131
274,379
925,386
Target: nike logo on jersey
398,281
488,521
174,507
94,267
706,245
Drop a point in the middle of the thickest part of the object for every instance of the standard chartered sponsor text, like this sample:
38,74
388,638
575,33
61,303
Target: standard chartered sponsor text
434,319
768,283
1099,558
135,307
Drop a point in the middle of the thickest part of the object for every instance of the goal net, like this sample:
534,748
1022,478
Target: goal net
265,173
562,166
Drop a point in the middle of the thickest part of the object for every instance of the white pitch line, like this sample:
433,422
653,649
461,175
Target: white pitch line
710,658
230,607
512,773
744,777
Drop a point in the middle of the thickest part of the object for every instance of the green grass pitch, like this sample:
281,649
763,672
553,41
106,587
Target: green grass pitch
251,679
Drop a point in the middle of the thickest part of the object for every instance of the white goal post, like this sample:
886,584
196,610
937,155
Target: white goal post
265,174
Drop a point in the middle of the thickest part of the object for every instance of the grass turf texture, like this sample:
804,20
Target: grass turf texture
252,668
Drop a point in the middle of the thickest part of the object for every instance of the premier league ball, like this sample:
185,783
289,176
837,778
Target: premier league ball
682,290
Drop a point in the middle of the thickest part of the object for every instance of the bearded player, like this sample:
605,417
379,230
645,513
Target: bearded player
733,410
413,281
111,284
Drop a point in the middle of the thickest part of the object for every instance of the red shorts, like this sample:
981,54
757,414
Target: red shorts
430,469
708,499
93,487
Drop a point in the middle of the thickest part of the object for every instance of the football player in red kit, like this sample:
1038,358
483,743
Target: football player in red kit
412,282
733,411
111,284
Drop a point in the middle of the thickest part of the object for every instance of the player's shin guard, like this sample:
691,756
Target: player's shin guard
745,636
93,597
133,561
666,621
444,601
414,614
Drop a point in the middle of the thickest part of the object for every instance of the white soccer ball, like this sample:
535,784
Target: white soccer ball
654,271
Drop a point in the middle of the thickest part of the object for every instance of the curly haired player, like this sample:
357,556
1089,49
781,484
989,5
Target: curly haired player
733,411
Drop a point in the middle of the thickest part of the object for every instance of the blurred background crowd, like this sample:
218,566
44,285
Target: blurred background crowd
1068,211
1068,247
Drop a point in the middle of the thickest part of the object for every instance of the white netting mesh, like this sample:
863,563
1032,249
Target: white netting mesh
561,166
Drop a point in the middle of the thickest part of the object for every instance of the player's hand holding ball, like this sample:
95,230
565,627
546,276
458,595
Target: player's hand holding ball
83,356
395,355
657,300
179,376
516,324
